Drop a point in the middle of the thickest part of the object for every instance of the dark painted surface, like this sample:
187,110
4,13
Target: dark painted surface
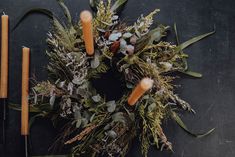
212,97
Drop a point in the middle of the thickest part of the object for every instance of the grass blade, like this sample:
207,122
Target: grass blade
17,107
194,40
192,73
184,127
118,5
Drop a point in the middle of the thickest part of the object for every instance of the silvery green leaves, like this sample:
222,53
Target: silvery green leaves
96,98
82,117
84,90
95,62
115,36
111,106
122,42
111,134
78,118
119,117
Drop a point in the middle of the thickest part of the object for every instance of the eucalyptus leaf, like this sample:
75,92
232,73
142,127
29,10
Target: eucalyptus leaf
77,114
112,134
151,107
92,117
127,35
107,127
115,36
129,85
123,45
61,84
118,117
84,122
111,106
52,100
95,62
78,123
96,98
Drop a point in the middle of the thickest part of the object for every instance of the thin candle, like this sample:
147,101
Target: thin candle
86,20
144,85
25,93
4,57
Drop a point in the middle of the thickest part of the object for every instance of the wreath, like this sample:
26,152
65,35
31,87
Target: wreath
135,55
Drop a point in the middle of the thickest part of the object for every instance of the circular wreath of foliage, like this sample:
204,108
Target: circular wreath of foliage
92,124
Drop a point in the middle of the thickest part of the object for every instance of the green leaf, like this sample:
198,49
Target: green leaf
66,11
17,107
93,4
29,11
32,119
192,73
176,34
193,40
118,5
184,127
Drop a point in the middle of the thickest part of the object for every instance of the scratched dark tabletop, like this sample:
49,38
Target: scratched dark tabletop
213,96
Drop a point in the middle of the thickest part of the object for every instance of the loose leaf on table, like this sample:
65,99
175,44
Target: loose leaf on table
118,5
29,11
184,127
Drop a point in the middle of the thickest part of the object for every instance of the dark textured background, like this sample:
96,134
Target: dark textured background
212,97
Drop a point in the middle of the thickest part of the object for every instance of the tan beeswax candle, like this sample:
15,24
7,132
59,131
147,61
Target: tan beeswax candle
144,85
4,57
86,20
25,92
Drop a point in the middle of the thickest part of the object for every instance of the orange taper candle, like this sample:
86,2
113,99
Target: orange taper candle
25,93
4,57
86,20
144,85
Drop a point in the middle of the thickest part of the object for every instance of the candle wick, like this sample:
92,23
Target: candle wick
3,13
24,47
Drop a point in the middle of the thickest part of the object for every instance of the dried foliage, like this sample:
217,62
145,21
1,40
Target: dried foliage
94,126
